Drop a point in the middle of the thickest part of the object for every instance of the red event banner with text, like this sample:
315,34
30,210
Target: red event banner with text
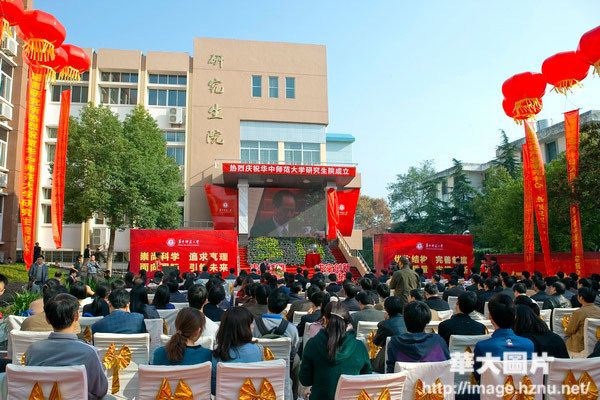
528,213
347,202
223,203
30,171
279,169
333,214
430,252
59,171
540,196
572,156
188,250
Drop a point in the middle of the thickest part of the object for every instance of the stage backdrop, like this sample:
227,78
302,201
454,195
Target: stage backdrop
426,251
188,250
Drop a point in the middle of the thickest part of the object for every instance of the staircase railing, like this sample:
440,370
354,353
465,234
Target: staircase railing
356,261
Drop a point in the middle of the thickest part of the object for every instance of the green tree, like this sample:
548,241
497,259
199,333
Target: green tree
506,153
408,194
587,185
120,170
373,215
461,199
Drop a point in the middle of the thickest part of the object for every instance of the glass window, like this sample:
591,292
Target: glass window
133,77
115,77
152,97
104,95
182,80
124,77
46,213
551,151
3,148
52,132
85,76
79,94
162,79
302,153
178,154
47,193
181,98
104,76
172,98
114,96
273,86
172,79
153,78
252,151
256,86
6,72
162,98
175,136
50,150
290,87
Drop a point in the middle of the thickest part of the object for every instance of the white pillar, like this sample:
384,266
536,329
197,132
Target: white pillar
243,206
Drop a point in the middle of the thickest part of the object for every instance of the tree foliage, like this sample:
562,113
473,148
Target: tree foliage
506,152
461,199
373,215
121,171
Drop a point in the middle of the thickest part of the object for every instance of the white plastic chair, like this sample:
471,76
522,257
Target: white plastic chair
169,316
231,377
486,310
21,340
298,316
349,387
591,336
540,304
13,323
444,315
488,325
432,327
154,327
139,345
460,343
208,342
179,306
546,316
281,349
452,301
86,327
364,328
197,377
428,373
558,314
559,369
496,378
71,381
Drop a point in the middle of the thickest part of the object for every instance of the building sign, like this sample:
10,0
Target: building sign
187,250
215,87
430,252
284,169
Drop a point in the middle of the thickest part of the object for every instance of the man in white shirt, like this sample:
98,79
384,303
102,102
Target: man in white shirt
197,295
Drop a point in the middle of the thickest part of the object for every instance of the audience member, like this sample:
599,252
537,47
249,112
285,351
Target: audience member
350,289
368,312
211,310
437,280
318,299
176,295
99,306
138,303
196,296
556,298
162,298
38,322
528,324
453,289
79,290
393,325
404,280
539,286
574,331
120,320
519,289
261,294
302,305
333,286
383,291
461,323
295,290
433,299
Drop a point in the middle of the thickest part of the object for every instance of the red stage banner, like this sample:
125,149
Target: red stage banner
540,196
223,203
188,250
430,252
572,155
60,169
279,169
30,172
347,202
528,217
333,214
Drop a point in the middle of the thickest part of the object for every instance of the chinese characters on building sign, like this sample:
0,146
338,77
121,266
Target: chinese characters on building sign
215,87
421,261
288,169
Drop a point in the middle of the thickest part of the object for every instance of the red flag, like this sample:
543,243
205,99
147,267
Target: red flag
223,204
333,213
347,201
30,170
60,169
540,196
528,219
572,155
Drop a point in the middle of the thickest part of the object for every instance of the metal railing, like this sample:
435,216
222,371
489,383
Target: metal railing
356,261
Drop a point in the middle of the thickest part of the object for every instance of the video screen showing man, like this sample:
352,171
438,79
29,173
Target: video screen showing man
289,213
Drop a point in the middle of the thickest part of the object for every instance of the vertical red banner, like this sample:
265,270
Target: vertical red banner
572,155
347,202
333,214
30,172
60,169
528,218
223,203
540,196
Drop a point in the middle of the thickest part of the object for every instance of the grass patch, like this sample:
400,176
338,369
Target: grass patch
18,272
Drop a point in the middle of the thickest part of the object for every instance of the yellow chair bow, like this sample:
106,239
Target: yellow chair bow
87,334
165,327
526,390
23,358
116,360
38,394
268,354
434,393
248,392
565,321
586,387
384,395
598,333
182,391
372,347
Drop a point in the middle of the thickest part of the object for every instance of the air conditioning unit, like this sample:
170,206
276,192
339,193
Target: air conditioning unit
5,111
3,179
176,115
99,236
9,46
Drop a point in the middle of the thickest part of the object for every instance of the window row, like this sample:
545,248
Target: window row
3,147
178,154
128,96
175,136
161,79
263,152
120,77
290,86
79,94
6,78
302,153
164,97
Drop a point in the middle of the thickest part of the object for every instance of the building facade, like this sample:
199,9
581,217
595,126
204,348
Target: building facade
231,101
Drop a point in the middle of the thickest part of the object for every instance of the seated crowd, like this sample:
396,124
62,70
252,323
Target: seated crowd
324,343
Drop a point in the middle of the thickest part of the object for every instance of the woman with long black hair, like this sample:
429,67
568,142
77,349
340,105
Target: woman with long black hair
332,352
162,298
138,303
99,306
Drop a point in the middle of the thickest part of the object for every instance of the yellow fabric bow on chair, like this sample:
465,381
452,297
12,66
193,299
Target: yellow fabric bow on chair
268,354
116,360
165,327
598,333
38,394
384,395
248,392
372,347
565,321
511,392
87,334
421,394
23,359
182,391
585,383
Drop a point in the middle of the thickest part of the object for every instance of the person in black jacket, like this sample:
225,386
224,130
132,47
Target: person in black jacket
494,266
350,302
433,299
391,326
485,296
211,310
453,289
333,286
461,323
529,325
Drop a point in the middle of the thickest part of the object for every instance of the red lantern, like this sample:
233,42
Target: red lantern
564,70
509,108
526,91
55,66
589,48
78,63
11,12
42,34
